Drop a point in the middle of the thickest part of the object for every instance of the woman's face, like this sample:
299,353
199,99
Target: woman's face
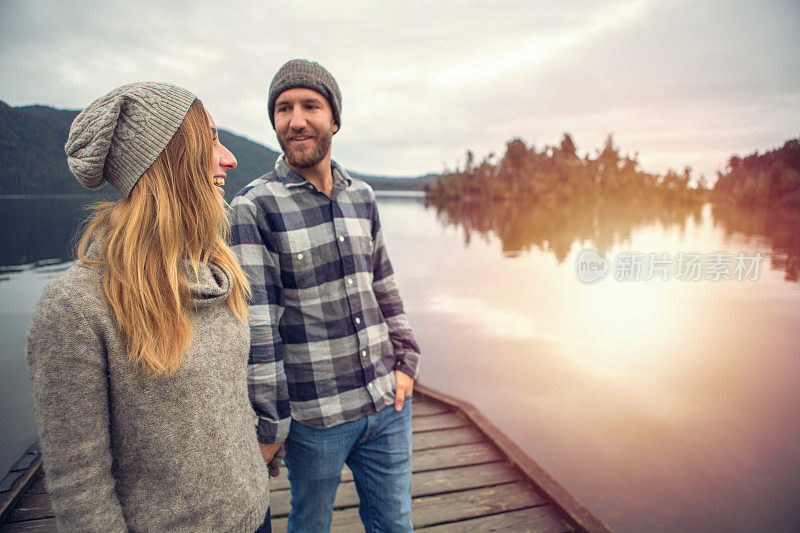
221,162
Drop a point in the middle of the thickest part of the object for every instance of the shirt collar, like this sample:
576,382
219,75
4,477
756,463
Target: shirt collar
290,178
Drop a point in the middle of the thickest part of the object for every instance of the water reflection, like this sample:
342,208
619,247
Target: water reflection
522,227
661,405
777,226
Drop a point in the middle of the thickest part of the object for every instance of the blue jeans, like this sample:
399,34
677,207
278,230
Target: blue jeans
377,448
266,527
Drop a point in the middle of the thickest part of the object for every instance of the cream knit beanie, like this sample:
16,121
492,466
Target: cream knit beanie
119,135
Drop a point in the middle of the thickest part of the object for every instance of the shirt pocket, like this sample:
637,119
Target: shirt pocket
360,236
298,268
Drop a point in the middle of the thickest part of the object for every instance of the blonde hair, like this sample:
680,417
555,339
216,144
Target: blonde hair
172,214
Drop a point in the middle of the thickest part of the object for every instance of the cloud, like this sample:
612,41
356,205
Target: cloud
491,320
422,82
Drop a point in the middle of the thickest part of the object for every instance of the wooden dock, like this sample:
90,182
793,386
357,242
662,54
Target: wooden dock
467,476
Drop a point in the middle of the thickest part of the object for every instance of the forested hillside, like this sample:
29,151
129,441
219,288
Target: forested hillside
33,162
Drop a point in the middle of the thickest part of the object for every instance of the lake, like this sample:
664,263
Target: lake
661,401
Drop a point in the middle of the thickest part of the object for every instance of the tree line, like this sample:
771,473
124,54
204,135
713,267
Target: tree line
771,178
557,174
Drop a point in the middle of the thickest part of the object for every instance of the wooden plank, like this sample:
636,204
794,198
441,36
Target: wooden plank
451,456
462,478
32,507
39,485
430,459
543,519
434,422
430,407
47,525
443,508
9,499
453,506
281,482
555,492
446,437
422,484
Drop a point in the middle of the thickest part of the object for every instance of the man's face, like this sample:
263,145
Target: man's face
304,126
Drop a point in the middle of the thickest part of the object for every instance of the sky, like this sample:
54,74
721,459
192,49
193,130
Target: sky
678,83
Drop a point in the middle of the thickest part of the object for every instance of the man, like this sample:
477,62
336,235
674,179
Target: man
332,357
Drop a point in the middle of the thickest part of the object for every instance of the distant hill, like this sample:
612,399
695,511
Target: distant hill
32,159
382,183
253,160
32,150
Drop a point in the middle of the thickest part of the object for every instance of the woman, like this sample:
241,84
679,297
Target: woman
138,352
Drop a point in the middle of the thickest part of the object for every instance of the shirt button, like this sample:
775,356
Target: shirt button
300,256
341,238
349,281
363,353
369,386
358,320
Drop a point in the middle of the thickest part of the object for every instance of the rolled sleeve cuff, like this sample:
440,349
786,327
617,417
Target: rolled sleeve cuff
272,431
408,364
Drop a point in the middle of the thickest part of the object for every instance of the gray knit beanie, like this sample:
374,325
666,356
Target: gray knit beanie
309,75
119,135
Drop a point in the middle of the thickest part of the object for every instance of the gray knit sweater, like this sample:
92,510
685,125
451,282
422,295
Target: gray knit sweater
127,452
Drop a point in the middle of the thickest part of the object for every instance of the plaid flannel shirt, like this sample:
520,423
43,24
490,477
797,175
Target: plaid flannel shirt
326,320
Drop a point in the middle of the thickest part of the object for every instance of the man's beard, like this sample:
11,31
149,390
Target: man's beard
307,160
